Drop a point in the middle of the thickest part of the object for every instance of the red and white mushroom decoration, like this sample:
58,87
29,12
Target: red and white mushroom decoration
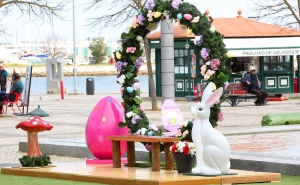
33,125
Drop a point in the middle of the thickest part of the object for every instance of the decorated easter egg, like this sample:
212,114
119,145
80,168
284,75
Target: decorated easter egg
118,55
102,122
139,38
171,115
188,16
179,16
157,14
129,89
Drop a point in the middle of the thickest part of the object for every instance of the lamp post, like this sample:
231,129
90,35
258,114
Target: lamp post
74,51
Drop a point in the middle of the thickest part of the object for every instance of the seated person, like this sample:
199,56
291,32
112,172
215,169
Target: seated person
16,87
253,87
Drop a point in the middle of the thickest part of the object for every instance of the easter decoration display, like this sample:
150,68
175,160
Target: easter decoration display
102,122
171,115
212,148
128,59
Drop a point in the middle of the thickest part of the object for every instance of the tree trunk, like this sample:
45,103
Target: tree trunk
150,75
33,145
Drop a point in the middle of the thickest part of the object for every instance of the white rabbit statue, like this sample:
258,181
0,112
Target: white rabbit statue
212,148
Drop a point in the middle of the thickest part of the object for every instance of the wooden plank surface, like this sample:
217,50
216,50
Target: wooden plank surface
105,174
140,138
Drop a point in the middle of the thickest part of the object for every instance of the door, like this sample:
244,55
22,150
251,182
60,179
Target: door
277,74
182,71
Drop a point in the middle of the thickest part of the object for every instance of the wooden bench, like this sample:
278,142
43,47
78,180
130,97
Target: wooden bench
236,93
155,144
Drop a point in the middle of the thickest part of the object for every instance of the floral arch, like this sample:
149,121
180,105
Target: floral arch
128,60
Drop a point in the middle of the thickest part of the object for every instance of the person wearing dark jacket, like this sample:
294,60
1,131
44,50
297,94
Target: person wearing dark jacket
253,87
3,78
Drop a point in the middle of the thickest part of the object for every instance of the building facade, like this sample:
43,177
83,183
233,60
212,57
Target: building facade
273,50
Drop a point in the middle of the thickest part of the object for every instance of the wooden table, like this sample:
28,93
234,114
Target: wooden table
155,144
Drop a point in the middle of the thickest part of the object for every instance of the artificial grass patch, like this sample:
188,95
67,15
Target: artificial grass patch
17,180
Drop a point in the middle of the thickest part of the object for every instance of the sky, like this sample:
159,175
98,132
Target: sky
36,31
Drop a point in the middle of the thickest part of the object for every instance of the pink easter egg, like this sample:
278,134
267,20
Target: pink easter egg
171,115
102,122
188,16
142,108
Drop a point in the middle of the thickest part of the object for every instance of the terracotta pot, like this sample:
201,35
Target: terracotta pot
184,162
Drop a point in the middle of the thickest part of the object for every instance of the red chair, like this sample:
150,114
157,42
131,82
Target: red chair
8,102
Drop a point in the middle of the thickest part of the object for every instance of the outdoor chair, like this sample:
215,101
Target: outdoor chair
12,98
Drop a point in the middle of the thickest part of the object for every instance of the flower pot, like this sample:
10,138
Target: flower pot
184,162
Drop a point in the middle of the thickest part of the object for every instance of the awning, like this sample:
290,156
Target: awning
275,46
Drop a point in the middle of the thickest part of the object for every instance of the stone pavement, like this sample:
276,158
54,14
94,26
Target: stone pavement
277,147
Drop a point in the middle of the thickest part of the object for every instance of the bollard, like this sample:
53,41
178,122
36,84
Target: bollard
62,90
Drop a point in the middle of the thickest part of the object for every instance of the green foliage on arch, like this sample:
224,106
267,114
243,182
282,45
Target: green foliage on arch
209,41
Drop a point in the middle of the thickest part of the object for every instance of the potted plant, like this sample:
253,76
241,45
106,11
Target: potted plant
184,155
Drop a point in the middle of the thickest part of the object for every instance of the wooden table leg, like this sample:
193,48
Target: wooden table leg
169,157
131,154
155,157
116,154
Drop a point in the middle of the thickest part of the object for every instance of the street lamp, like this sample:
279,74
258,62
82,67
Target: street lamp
74,51
187,46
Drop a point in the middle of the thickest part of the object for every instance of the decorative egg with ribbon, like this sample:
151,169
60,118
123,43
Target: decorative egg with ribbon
129,89
188,16
190,31
179,16
139,38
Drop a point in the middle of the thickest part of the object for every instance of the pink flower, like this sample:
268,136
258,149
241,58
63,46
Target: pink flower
210,72
148,147
178,133
150,15
220,116
206,76
203,70
186,132
130,49
121,90
135,22
214,64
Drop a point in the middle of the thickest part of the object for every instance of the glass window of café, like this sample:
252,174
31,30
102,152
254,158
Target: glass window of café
277,63
240,64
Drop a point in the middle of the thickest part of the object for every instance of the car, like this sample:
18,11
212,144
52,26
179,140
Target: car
83,63
68,61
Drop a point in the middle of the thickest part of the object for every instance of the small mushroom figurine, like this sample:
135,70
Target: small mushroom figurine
33,125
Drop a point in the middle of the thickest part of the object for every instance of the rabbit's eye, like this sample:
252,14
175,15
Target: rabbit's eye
200,109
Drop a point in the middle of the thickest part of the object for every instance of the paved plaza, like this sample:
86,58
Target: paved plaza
241,126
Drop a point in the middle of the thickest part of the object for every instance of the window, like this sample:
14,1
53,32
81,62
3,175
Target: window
277,63
181,61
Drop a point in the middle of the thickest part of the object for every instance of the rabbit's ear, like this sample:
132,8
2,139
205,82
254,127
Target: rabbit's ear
207,91
214,97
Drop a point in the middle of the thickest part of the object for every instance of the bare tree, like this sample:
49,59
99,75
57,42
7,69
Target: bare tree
41,9
55,45
115,17
280,12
